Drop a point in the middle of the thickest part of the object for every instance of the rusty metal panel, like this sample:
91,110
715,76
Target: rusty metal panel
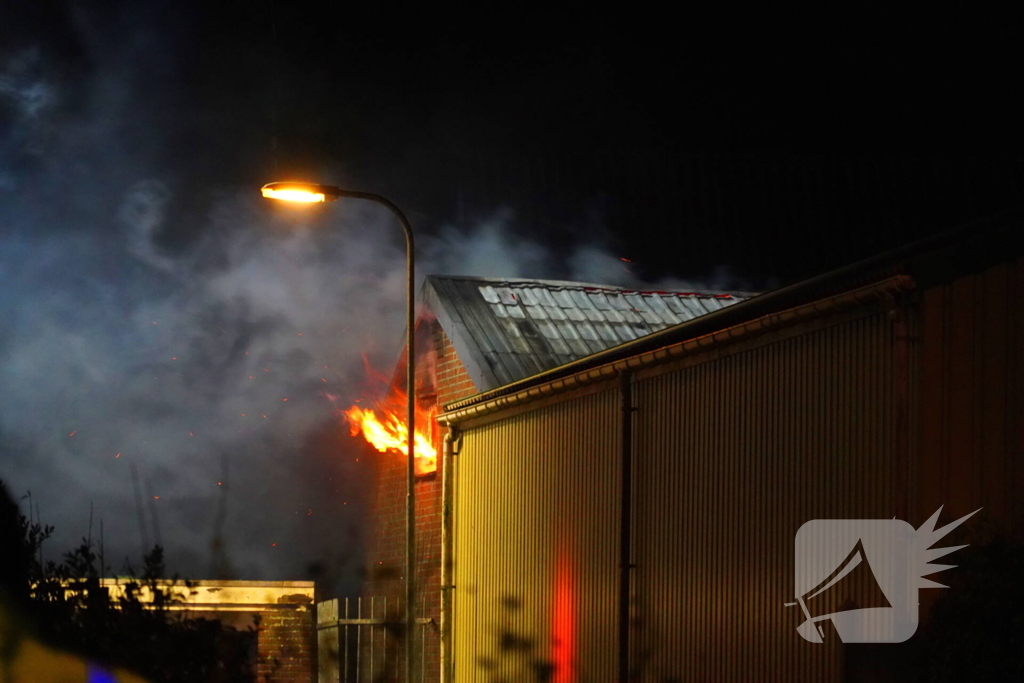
731,457
536,555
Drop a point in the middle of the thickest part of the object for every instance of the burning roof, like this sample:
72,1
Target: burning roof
505,330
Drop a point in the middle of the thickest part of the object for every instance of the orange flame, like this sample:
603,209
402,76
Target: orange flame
388,432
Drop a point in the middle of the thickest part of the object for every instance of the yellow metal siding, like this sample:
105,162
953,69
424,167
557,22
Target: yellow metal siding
887,414
537,502
731,458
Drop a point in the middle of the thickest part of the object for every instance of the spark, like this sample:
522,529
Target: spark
73,433
625,259
322,379
156,497
243,414
265,370
250,377
219,483
154,323
191,434
174,358
284,399
117,456
273,545
300,334
264,416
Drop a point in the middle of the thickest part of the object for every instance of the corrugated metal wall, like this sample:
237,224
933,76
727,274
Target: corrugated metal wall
970,405
536,534
731,458
887,414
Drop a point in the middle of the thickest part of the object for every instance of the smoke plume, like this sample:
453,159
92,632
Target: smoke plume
163,320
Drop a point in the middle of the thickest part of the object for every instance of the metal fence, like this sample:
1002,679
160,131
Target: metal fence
360,640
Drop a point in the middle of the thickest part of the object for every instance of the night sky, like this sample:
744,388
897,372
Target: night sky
144,281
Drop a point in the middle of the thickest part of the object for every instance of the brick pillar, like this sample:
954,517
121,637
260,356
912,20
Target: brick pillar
441,377
285,642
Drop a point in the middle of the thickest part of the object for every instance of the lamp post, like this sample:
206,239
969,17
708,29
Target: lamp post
314,193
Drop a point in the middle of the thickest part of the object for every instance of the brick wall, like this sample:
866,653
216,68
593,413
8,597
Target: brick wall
440,378
285,643
452,381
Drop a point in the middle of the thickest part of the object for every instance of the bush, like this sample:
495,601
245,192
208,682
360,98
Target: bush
64,605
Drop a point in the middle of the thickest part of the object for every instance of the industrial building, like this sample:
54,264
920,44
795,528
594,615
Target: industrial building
622,504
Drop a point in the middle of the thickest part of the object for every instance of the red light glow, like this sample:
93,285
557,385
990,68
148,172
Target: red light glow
563,628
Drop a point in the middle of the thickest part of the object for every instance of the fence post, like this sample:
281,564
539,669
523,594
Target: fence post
328,646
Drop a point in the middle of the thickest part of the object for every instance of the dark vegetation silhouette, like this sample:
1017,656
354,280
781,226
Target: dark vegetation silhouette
63,605
516,651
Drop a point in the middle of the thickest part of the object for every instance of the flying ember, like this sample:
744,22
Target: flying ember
388,432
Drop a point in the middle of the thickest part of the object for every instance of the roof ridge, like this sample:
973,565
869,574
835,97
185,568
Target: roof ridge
588,286
523,281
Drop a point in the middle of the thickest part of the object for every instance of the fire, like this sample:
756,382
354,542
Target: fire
388,432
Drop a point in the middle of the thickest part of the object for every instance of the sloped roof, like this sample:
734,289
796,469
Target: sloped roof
931,262
505,330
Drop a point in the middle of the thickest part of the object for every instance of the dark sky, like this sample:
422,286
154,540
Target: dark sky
733,150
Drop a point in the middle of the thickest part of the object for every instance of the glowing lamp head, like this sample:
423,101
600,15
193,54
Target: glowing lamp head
308,193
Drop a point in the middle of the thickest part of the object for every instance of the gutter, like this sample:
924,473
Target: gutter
559,380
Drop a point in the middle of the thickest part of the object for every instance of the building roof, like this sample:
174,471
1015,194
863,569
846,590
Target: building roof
930,262
505,330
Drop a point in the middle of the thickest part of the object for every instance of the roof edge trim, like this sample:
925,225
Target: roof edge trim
458,334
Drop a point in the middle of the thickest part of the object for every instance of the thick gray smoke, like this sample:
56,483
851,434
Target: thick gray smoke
212,366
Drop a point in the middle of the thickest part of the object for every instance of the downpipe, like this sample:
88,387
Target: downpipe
625,522
448,464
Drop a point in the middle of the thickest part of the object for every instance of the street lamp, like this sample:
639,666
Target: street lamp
313,193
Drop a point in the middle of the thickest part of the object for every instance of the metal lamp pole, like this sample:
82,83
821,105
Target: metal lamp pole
309,192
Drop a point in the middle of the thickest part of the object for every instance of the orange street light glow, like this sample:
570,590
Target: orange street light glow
307,193
294,195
